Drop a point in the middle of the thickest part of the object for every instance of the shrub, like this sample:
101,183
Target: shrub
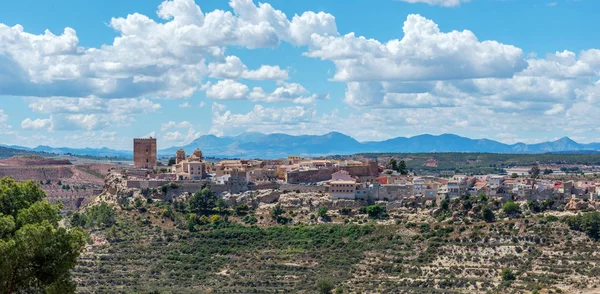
345,211
510,208
322,212
588,222
377,211
324,286
487,214
507,275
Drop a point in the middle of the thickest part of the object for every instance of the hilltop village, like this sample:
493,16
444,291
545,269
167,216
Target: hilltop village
344,179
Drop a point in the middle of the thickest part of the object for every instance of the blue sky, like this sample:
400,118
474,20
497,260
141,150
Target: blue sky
107,71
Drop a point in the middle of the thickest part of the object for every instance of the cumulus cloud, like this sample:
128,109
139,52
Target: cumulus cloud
37,124
424,53
291,92
234,68
174,125
177,137
5,128
261,119
226,90
88,114
149,58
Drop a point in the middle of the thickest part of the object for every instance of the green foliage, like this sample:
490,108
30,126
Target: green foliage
324,286
345,211
241,209
322,212
402,167
203,201
445,204
377,211
507,275
587,222
511,208
487,214
250,219
172,161
534,172
36,255
277,215
95,217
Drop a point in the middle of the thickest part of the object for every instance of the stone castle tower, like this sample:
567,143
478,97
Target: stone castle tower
180,156
144,152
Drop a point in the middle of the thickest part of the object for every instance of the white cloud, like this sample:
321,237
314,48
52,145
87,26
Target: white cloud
89,114
261,119
37,124
556,109
445,3
181,45
176,137
202,103
173,125
234,68
291,92
92,105
5,128
424,53
185,105
226,90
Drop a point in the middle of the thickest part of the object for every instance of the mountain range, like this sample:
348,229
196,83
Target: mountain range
258,145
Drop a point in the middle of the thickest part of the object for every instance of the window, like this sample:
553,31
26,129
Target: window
146,160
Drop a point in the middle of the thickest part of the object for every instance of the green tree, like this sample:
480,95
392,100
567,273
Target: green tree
534,172
514,175
324,286
172,161
510,208
402,168
203,201
221,205
588,222
393,164
376,211
507,275
277,214
487,214
322,212
36,255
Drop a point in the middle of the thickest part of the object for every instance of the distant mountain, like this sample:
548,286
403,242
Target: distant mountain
258,145
6,152
98,152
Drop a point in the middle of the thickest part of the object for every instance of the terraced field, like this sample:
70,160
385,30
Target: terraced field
147,253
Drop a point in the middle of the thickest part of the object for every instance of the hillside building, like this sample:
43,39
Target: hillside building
144,152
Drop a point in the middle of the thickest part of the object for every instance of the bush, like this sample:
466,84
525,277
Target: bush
487,214
322,212
507,275
588,222
324,286
345,211
511,208
377,211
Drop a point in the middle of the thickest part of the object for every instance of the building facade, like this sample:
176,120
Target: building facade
144,152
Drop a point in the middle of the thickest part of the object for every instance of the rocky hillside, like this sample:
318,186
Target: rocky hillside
270,241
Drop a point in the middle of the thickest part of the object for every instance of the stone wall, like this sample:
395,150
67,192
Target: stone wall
144,152
303,188
363,172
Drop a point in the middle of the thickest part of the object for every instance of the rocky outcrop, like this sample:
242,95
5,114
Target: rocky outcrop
576,204
116,191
